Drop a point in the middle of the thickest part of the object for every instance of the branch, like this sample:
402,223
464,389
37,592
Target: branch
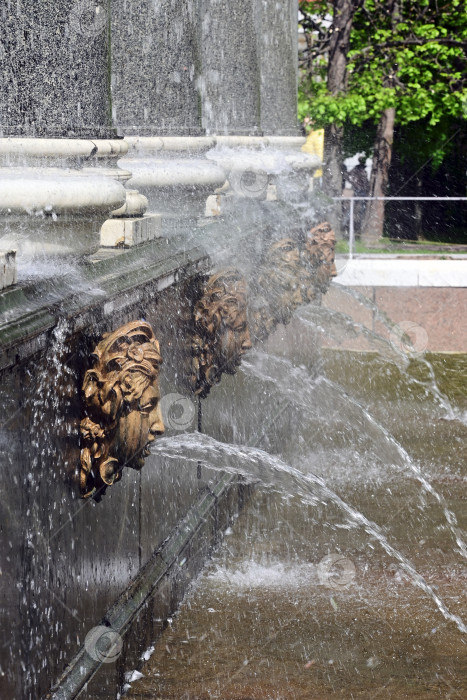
311,25
407,42
316,51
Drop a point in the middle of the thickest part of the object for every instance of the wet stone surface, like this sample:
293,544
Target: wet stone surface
300,602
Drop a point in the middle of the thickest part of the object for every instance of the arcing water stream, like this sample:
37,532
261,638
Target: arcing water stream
271,471
299,390
306,441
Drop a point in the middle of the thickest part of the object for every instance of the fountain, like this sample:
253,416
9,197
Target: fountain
163,387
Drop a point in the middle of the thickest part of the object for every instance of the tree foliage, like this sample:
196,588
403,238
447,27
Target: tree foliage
417,65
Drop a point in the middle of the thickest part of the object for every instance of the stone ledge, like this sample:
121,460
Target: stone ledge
175,173
28,150
168,145
401,273
51,190
29,311
260,142
7,268
259,169
56,193
166,561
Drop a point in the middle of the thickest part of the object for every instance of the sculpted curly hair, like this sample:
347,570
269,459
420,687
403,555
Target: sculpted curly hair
216,314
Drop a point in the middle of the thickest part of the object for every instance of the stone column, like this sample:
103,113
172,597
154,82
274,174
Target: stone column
277,36
230,67
249,97
54,69
154,68
58,150
156,106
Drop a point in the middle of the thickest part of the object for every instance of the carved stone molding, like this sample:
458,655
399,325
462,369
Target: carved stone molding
220,330
291,274
175,176
56,193
264,167
122,406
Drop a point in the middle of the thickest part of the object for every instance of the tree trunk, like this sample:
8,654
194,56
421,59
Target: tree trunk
373,223
332,169
343,12
374,216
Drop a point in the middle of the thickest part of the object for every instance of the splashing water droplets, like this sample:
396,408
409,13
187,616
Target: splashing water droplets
271,471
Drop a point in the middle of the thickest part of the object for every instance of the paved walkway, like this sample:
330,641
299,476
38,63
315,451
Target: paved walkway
389,271
425,297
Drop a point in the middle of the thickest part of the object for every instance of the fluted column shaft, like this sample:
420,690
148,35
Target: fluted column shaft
155,67
54,69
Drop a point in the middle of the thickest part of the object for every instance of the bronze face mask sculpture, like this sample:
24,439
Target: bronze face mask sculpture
291,275
318,254
220,330
122,406
281,287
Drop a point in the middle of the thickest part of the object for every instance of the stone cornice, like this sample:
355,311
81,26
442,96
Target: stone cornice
29,311
51,191
21,150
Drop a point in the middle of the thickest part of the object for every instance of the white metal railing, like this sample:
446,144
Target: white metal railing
351,201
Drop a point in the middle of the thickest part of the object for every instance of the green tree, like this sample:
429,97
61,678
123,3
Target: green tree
406,62
325,64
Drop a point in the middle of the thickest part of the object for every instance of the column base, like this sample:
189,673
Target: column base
7,268
265,168
175,176
125,233
56,193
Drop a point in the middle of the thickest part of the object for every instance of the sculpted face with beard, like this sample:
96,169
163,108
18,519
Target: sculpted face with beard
319,255
282,287
122,405
221,335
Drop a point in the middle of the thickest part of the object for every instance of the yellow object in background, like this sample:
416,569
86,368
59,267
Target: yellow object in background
314,144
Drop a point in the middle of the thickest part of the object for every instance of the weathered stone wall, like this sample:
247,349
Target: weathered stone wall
54,69
155,67
64,560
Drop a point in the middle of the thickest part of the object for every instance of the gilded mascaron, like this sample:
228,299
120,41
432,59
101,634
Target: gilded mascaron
280,289
319,255
291,274
122,406
221,335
